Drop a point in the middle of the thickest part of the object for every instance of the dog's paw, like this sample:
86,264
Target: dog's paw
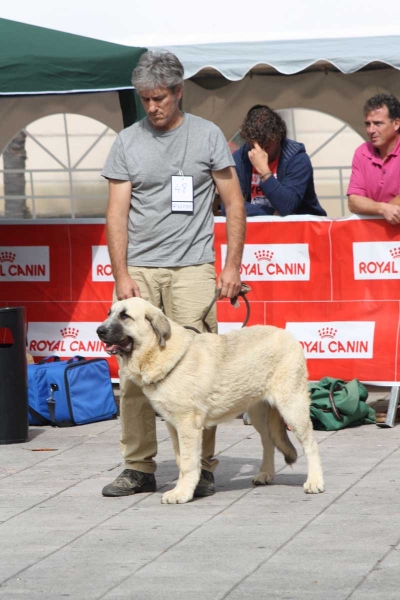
263,478
176,496
314,487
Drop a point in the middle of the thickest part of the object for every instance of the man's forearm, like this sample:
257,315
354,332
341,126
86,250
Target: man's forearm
229,190
117,240
283,198
235,232
364,206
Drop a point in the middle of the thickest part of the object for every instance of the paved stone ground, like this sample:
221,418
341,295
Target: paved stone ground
59,538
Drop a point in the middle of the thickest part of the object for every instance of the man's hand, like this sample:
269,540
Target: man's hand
259,159
391,212
229,282
126,287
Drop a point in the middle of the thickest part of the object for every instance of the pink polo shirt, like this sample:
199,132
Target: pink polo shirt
372,178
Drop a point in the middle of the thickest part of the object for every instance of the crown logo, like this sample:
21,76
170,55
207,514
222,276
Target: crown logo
264,255
69,332
395,252
7,257
327,332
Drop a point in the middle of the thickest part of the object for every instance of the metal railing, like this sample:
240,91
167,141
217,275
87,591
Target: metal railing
342,195
71,196
64,192
70,186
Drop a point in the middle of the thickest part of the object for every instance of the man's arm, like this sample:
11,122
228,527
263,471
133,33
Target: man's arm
119,201
358,201
229,190
361,205
285,195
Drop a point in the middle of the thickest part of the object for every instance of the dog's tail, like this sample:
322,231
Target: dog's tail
278,432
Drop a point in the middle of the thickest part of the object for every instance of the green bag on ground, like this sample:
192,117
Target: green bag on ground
336,404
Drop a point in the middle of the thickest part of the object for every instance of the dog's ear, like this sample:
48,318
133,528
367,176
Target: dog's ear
160,324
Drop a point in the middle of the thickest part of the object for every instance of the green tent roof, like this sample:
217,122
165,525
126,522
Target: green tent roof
36,60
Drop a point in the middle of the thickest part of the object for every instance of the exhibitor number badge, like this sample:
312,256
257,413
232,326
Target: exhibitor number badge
182,194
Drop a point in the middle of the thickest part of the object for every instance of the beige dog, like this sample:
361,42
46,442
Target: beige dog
198,380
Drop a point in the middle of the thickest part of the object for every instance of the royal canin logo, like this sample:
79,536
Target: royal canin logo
340,339
64,339
327,332
24,263
274,262
7,257
376,260
395,252
69,332
264,255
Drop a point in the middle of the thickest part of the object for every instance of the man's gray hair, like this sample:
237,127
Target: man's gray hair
157,69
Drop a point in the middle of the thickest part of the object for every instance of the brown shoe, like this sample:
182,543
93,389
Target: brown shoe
206,486
131,482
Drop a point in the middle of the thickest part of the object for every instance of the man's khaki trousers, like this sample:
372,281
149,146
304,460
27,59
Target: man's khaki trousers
183,293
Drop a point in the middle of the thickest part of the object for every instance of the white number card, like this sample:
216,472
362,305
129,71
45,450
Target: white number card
182,194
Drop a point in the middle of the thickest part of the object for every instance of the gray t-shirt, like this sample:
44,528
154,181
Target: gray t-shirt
148,158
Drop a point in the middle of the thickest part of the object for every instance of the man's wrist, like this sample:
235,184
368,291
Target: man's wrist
381,209
233,264
265,176
120,274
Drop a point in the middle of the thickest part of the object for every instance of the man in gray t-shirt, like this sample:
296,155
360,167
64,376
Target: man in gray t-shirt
162,175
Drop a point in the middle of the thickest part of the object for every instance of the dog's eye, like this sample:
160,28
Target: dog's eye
124,315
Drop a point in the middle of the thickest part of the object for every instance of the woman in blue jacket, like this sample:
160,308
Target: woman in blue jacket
275,173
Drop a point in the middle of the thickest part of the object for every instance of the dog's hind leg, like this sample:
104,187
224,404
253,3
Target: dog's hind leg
295,413
190,435
258,418
278,432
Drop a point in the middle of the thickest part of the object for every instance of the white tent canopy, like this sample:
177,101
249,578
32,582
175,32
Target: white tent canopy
235,60
326,56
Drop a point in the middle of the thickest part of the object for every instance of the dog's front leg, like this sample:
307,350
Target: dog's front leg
175,442
190,440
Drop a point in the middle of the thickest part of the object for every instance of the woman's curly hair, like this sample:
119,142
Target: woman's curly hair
263,125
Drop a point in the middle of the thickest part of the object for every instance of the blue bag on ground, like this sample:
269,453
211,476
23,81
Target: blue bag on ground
65,393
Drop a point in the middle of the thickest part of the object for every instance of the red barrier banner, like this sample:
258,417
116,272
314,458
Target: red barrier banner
366,260
333,283
283,260
34,263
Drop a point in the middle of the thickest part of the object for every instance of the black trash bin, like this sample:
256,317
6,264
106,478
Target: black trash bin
14,426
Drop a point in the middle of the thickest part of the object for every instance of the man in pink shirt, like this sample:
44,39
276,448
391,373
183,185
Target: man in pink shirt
374,187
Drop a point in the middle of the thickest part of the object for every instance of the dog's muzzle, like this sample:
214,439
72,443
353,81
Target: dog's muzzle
115,342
